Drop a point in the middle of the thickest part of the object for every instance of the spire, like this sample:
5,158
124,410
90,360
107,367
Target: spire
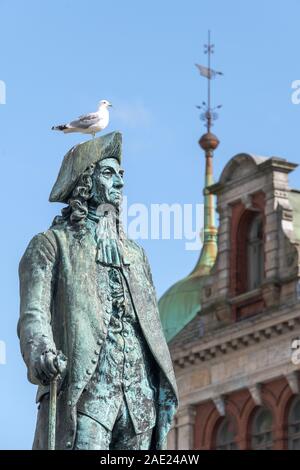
208,142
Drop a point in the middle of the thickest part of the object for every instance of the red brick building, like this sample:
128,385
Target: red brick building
233,322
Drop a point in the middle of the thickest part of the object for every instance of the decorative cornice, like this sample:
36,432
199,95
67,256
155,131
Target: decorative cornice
279,164
219,344
220,187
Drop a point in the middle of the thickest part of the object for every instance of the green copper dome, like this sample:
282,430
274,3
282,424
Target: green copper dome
182,301
180,304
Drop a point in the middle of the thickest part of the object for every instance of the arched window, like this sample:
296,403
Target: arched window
255,253
248,264
261,433
226,435
294,425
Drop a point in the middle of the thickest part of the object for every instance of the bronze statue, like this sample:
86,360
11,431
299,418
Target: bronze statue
89,324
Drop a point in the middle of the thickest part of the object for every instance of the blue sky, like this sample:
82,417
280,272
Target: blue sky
59,58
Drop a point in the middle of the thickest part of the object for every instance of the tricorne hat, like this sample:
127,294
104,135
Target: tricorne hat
79,158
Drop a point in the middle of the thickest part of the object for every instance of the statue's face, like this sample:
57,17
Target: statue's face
108,182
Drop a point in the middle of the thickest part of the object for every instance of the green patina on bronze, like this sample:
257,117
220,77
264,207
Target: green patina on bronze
87,291
181,303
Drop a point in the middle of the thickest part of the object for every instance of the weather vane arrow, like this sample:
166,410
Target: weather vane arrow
209,115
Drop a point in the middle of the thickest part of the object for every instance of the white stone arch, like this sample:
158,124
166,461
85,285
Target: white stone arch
240,165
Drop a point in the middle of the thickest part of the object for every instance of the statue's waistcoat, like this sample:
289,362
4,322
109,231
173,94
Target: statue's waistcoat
125,366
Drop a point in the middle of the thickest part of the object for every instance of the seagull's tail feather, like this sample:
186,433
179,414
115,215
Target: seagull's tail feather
65,128
62,127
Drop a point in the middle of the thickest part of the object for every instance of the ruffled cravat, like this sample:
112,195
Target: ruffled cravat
110,250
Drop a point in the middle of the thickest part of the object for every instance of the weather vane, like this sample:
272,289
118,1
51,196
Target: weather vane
209,114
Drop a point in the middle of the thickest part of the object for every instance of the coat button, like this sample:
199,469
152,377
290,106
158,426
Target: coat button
69,403
94,361
69,444
99,342
89,372
96,352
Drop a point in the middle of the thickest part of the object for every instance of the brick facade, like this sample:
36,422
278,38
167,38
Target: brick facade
240,407
234,357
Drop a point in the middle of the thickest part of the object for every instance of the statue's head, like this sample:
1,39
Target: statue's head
90,176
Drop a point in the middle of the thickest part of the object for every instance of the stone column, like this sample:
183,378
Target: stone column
185,427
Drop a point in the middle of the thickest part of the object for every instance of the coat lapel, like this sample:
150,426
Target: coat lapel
144,301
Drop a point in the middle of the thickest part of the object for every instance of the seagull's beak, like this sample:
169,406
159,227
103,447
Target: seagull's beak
110,105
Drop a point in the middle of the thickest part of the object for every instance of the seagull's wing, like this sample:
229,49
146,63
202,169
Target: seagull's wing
88,116
85,121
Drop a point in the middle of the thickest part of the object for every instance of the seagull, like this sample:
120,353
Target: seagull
88,123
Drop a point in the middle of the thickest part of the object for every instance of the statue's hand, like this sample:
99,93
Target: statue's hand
49,365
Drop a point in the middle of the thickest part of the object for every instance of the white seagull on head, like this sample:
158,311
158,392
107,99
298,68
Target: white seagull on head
88,123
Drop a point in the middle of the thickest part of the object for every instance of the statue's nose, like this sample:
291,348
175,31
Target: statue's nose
118,182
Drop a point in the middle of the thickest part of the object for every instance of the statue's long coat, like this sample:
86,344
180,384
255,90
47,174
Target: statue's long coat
62,304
